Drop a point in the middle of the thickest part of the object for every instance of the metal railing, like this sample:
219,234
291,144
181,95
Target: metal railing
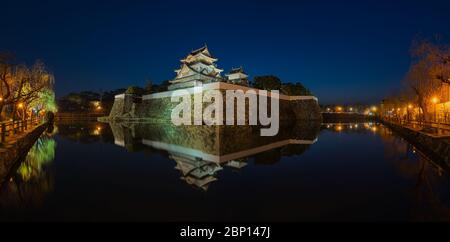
439,125
441,128
9,129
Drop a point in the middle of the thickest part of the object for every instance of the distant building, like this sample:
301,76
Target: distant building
197,68
237,76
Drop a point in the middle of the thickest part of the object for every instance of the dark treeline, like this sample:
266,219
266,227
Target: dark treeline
87,101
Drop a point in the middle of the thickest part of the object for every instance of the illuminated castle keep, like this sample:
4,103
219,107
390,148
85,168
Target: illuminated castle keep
197,68
200,67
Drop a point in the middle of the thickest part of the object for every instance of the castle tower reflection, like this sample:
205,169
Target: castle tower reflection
200,152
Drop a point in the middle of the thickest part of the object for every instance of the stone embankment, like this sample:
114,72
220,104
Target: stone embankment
157,108
437,147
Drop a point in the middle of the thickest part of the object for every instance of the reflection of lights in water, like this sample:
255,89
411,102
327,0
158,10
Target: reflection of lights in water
42,153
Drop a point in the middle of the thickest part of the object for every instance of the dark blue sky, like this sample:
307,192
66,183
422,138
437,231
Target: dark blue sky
343,51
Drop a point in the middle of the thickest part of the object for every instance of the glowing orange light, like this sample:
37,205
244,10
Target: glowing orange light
20,105
374,109
98,130
434,100
1,99
410,106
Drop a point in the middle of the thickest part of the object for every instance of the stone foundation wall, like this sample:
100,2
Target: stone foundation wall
157,108
306,110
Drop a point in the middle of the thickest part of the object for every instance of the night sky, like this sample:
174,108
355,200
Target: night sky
342,51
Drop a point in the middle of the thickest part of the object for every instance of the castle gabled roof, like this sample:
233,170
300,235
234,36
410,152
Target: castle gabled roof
238,70
204,50
200,54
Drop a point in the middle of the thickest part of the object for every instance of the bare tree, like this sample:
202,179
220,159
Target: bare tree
437,56
21,84
428,72
6,80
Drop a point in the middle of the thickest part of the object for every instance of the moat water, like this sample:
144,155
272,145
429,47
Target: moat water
310,172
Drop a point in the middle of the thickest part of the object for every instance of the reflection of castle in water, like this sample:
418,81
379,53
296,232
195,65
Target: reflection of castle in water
202,151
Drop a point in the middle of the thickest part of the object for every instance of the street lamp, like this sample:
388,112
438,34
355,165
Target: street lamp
408,112
20,106
435,100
